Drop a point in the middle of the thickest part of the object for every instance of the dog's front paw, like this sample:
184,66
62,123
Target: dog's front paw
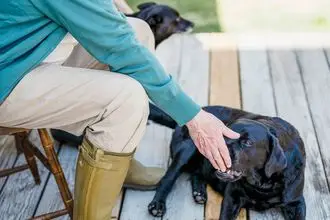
200,195
157,208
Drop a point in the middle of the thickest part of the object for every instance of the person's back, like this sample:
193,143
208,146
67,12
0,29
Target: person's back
27,37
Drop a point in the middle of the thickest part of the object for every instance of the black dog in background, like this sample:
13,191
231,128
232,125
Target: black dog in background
163,20
268,162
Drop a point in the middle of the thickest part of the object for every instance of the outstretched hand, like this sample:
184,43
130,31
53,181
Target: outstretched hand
207,132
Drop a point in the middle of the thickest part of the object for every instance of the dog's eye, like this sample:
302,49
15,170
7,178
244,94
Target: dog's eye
178,20
247,143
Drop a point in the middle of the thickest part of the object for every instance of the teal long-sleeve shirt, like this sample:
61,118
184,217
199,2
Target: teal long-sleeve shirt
31,29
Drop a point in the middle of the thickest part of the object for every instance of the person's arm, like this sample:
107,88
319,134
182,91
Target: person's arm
123,6
105,33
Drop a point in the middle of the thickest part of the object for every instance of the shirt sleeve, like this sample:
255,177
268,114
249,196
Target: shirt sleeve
105,33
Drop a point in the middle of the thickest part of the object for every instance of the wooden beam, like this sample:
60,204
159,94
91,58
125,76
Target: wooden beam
224,90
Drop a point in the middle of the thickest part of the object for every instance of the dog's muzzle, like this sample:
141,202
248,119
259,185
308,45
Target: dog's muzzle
229,175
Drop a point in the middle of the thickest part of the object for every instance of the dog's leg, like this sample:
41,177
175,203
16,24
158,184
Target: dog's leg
295,210
66,138
198,189
157,207
231,204
160,117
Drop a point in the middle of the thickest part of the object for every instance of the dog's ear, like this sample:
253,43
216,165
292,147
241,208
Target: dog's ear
276,161
145,5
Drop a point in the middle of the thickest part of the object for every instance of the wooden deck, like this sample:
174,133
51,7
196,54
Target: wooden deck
284,75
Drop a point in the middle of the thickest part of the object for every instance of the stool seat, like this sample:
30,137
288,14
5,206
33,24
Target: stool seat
10,131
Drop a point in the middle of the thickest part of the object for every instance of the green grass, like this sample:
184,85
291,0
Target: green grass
202,12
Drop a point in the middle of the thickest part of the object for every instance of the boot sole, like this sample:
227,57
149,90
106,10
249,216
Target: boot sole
140,187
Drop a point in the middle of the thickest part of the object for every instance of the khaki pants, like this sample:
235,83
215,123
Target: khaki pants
82,95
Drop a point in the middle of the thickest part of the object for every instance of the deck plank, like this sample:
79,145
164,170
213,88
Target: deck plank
194,73
256,84
225,86
259,99
8,155
316,78
154,148
224,90
327,53
20,197
292,106
169,54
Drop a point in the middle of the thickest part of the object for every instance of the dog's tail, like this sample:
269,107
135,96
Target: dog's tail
158,116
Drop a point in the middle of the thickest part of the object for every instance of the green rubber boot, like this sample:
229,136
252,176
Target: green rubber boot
140,177
99,178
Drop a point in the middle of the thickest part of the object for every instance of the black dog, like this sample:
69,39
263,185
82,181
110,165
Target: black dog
163,20
268,162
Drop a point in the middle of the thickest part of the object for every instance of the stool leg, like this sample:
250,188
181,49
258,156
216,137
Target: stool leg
22,143
18,143
56,170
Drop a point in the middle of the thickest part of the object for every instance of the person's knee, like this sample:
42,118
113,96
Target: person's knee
131,118
143,32
138,100
123,121
120,93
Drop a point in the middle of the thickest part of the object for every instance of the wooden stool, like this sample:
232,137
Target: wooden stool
49,160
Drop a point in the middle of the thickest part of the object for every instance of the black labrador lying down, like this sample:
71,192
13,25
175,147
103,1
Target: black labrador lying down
268,162
163,20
